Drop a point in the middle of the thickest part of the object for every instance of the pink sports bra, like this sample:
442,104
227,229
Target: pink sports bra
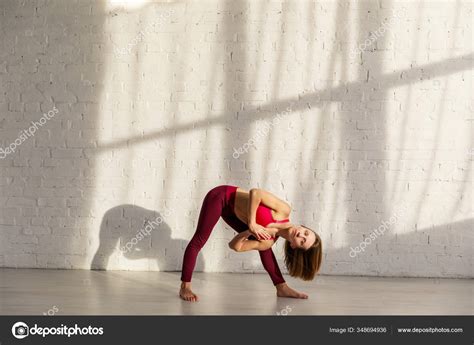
264,217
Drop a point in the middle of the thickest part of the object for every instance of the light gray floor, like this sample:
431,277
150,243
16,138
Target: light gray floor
76,292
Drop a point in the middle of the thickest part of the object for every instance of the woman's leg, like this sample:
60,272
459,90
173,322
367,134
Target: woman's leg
268,260
212,206
271,266
266,256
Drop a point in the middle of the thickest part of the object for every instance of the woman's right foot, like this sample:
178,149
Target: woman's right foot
186,293
283,290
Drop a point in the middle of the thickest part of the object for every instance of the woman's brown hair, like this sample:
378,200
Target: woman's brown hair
302,263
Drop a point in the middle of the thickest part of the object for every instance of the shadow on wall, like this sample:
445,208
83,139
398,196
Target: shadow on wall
49,57
139,233
416,253
143,234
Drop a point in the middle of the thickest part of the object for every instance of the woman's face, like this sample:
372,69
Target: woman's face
301,238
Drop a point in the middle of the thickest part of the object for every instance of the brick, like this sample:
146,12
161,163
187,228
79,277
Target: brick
364,134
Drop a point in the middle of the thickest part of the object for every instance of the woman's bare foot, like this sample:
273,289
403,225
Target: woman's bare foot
283,290
186,293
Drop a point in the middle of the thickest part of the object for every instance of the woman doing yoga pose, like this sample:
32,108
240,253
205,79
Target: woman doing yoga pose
253,214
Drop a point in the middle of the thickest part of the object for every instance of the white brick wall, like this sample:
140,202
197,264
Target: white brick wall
150,110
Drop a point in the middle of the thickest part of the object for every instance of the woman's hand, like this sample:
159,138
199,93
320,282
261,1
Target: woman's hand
241,243
259,232
271,231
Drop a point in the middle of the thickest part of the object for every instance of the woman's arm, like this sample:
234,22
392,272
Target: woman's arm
241,243
254,201
257,195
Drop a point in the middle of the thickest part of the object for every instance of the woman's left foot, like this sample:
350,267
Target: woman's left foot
283,290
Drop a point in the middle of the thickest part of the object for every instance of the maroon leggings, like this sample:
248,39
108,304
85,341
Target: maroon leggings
219,202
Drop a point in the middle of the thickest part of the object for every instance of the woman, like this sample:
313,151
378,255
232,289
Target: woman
253,214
